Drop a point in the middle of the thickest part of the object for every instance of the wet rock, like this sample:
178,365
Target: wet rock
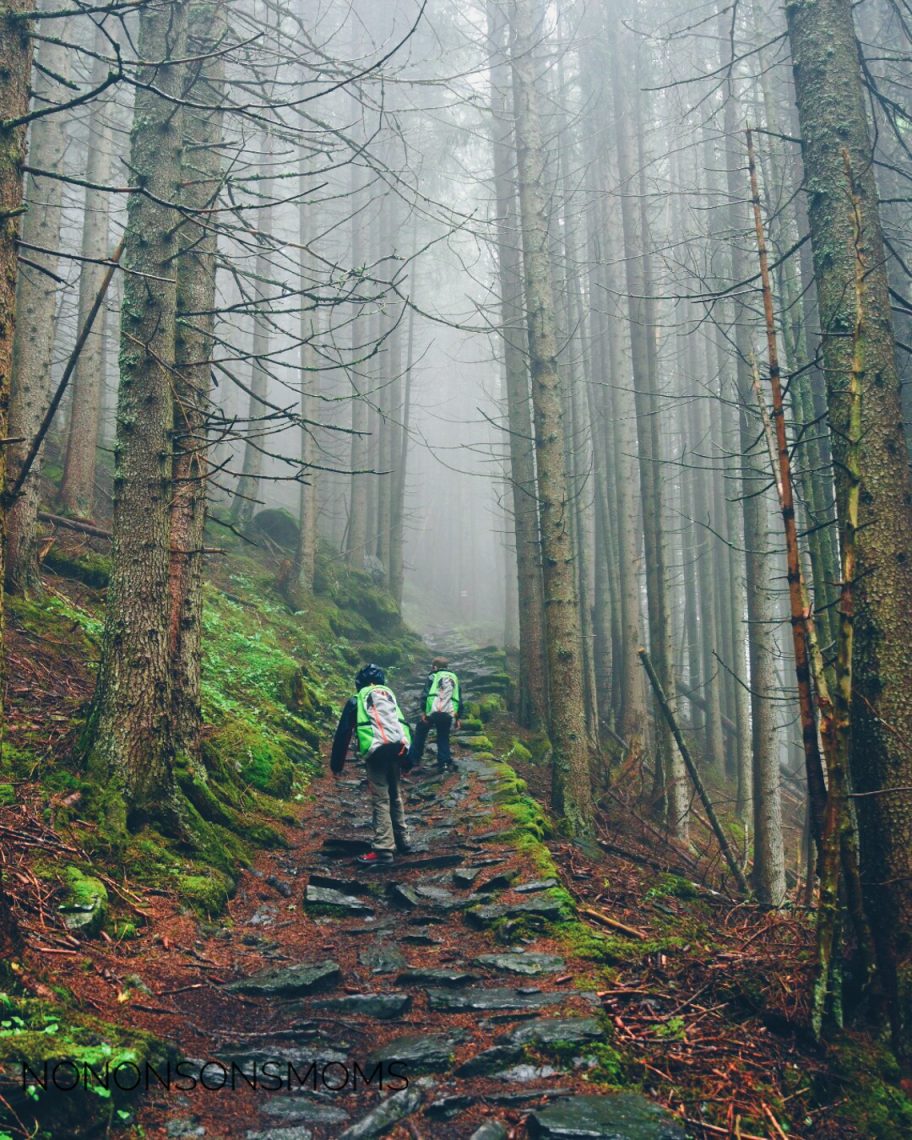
530,964
387,1113
291,981
382,957
489,1061
490,1130
550,1030
334,882
418,1053
278,885
498,882
403,896
481,1000
419,977
507,1099
547,910
535,885
293,1133
302,1109
466,876
624,1116
184,1127
439,899
420,938
381,1006
523,1074
335,900
446,1107
262,916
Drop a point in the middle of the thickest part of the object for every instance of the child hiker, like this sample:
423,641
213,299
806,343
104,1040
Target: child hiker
441,702
382,738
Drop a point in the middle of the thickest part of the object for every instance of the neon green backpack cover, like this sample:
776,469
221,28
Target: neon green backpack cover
379,720
443,695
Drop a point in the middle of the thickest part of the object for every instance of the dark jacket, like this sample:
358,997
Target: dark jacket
458,705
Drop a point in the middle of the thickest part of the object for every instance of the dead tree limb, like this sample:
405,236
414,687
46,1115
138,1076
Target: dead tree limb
692,771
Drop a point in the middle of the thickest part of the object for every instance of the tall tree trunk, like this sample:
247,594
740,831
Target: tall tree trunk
15,73
77,491
842,199
198,241
671,781
129,740
571,789
246,495
36,300
769,868
533,692
358,495
402,411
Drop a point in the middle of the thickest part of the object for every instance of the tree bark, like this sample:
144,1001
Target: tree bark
532,708
571,790
246,502
77,492
198,241
129,739
15,72
36,299
842,198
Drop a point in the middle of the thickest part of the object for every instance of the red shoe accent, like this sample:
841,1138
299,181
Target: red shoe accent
372,858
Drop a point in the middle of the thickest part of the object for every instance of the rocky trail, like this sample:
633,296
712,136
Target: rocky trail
425,998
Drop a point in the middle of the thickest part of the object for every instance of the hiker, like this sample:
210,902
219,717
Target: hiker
440,706
382,738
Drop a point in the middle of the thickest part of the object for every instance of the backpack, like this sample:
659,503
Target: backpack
379,720
443,695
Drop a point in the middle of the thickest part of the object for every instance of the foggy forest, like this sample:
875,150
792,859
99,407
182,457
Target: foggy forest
456,524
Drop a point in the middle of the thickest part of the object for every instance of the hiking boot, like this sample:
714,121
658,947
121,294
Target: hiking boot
375,858
404,848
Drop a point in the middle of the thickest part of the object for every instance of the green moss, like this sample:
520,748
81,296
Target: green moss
7,795
864,1074
89,567
206,893
518,751
41,1034
672,886
489,706
85,907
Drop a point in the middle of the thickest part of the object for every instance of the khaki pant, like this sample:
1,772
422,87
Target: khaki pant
390,828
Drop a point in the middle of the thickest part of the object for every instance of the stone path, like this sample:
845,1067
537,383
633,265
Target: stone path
440,977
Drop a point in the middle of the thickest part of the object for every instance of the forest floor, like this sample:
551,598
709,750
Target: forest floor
478,987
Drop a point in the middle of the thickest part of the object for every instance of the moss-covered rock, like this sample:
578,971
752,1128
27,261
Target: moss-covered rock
354,592
85,907
85,1054
88,566
205,893
278,526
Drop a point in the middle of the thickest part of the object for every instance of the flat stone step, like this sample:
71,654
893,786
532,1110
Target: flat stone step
334,900
623,1116
381,1006
387,1113
522,963
446,1001
450,978
418,1053
382,957
289,981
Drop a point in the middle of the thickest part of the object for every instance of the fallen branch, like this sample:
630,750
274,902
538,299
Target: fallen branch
692,770
630,931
